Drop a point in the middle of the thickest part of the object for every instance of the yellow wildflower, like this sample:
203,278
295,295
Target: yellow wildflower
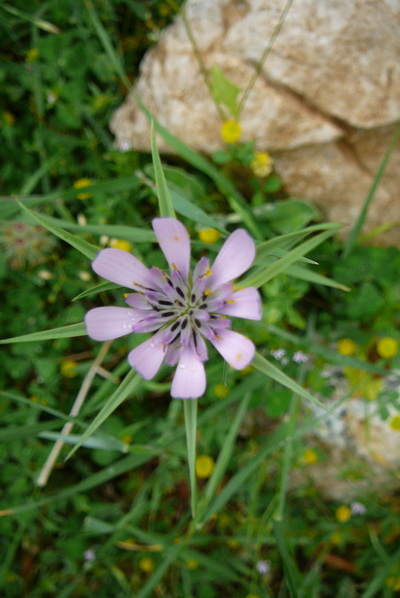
121,244
372,388
231,131
233,543
221,391
79,184
310,456
343,513
395,423
262,164
393,582
387,347
346,346
191,564
204,466
209,235
68,368
32,55
8,118
146,565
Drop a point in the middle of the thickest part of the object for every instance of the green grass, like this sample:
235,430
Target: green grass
117,510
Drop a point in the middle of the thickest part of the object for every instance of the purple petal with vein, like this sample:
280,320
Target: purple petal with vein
174,242
235,257
122,268
243,304
190,378
147,357
235,348
107,323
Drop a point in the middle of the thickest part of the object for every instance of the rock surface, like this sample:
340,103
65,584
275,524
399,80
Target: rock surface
325,104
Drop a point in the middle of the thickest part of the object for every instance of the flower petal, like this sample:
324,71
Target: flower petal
107,323
190,378
121,267
235,257
235,348
243,304
175,243
147,357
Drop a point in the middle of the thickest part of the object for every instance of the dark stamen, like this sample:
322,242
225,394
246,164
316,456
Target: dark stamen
197,322
202,306
184,324
179,303
192,297
175,326
162,302
174,339
180,292
167,314
195,340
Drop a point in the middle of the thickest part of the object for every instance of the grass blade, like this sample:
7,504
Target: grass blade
90,251
264,366
164,198
263,276
355,232
226,451
47,335
126,388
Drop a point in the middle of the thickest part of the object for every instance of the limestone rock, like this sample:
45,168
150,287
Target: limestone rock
325,105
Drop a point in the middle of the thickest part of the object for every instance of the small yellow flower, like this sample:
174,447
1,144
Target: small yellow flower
346,346
233,543
204,466
310,456
68,368
121,244
372,388
79,184
209,235
387,347
231,131
393,582
32,55
8,118
262,164
221,391
191,564
336,539
395,423
146,565
343,513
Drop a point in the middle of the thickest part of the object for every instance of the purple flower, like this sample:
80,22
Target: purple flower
179,308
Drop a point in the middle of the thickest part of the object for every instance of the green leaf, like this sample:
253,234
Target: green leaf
190,407
289,215
224,91
184,207
164,198
126,388
84,247
63,332
309,276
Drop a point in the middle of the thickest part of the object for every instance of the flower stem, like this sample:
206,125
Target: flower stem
190,407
